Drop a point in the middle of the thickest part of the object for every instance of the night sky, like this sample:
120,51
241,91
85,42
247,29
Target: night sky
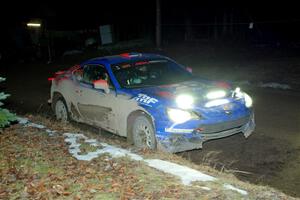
278,17
109,11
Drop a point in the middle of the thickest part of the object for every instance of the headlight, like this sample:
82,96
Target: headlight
180,116
248,100
185,101
216,94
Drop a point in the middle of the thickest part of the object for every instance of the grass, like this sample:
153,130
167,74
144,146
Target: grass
85,148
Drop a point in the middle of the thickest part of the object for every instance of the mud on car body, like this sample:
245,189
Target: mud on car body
152,100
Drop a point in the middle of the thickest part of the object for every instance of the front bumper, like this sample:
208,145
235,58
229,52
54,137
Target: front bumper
179,142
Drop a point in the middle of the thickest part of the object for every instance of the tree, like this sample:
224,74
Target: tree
6,117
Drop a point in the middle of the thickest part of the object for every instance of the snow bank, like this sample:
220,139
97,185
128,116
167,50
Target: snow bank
27,123
275,85
74,148
230,187
186,174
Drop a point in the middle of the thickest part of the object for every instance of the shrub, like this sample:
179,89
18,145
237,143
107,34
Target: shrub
6,117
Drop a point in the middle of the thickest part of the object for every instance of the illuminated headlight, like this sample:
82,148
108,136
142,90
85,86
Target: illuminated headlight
216,94
248,100
180,116
185,101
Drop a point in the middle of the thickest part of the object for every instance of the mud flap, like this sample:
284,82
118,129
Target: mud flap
249,127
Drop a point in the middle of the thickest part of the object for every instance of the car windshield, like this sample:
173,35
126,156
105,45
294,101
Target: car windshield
147,73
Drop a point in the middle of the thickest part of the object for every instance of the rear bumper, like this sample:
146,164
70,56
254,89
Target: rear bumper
179,142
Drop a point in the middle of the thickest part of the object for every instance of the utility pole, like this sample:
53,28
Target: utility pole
48,38
158,24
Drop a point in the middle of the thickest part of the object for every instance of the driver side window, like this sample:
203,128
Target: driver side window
92,73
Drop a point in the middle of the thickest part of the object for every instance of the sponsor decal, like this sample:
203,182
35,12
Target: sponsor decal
145,99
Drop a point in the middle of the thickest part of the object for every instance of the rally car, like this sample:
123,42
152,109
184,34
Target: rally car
152,100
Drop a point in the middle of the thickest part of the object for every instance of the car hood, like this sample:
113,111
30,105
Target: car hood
166,94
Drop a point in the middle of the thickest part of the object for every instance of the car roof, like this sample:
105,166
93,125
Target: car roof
123,58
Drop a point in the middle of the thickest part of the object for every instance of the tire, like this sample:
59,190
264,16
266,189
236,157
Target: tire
143,133
61,110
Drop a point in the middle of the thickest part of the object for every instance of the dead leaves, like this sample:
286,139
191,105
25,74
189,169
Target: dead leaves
36,166
60,190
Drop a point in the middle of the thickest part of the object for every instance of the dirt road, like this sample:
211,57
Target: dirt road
271,156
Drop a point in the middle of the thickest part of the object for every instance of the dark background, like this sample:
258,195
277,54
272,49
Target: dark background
276,22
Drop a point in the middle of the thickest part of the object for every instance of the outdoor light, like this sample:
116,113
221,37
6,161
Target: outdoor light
216,94
180,116
216,102
185,101
33,24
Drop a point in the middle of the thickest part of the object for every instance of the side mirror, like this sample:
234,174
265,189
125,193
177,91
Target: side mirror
102,85
189,69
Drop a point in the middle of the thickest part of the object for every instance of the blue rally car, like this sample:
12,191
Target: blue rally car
152,100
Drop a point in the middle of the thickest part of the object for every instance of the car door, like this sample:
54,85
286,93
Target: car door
95,105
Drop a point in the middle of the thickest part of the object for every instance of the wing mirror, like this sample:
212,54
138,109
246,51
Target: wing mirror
101,85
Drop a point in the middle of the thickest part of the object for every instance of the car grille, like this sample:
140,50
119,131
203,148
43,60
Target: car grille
213,128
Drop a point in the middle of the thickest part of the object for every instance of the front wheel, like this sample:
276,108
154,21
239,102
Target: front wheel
61,110
143,133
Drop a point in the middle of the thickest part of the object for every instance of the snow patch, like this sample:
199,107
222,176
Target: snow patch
26,123
74,148
205,188
230,187
275,85
22,120
39,126
50,132
186,174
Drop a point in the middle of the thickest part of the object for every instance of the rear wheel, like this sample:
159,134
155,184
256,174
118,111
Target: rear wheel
61,110
143,133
